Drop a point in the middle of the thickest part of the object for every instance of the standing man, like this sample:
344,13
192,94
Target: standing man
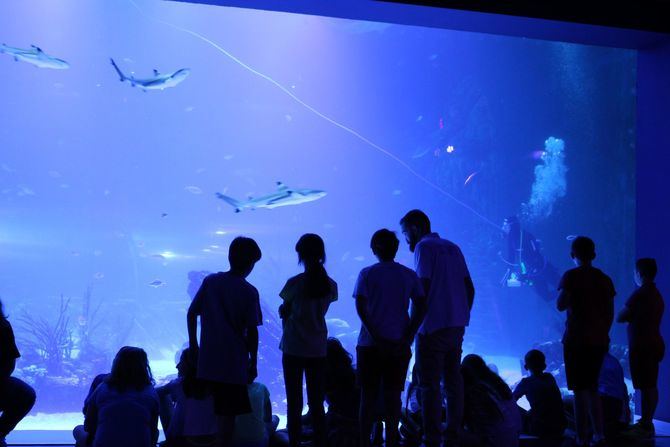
450,292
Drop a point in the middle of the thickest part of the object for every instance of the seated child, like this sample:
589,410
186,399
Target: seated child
123,409
546,418
187,411
255,429
614,397
491,415
80,436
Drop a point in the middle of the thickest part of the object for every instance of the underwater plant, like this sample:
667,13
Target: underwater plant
50,340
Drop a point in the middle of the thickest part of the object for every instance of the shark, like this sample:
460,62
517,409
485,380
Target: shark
157,82
34,56
284,196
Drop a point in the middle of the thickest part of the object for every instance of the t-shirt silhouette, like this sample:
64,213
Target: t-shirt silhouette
590,308
388,288
646,311
305,333
227,305
443,263
546,404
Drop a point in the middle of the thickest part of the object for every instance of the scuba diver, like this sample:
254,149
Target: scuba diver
527,265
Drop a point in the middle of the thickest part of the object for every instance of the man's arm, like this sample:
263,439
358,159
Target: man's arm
7,366
417,314
192,325
252,346
470,290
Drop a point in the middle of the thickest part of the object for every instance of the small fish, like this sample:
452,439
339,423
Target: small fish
396,192
74,253
140,244
228,157
156,283
345,256
571,237
99,275
450,149
64,186
437,152
164,214
469,178
6,168
25,191
200,170
189,109
433,57
288,118
193,189
220,232
328,226
441,123
55,174
59,85
359,258
419,118
158,256
337,323
97,252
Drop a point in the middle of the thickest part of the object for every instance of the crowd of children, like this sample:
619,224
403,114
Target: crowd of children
216,400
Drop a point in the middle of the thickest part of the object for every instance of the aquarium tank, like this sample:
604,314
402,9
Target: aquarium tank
139,137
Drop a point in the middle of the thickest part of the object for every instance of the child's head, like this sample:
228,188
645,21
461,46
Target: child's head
311,250
645,270
243,253
384,244
186,367
130,370
583,250
535,362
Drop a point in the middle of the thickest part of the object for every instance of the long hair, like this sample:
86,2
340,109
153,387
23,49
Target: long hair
340,362
193,387
130,370
475,370
2,311
312,254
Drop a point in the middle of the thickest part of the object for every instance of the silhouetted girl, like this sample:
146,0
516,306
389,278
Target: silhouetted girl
123,410
307,297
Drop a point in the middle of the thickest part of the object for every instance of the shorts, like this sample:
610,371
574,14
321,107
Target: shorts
582,366
230,399
644,363
376,367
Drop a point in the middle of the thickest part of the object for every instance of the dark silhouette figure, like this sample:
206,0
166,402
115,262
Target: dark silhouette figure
491,415
123,409
306,297
527,264
383,295
79,433
227,355
16,396
643,313
187,409
587,295
448,287
342,396
546,418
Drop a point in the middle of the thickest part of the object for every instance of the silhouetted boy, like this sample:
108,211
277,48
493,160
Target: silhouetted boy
383,293
229,311
587,295
643,313
545,418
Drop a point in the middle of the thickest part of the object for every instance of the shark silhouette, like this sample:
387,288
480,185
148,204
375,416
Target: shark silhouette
157,82
284,196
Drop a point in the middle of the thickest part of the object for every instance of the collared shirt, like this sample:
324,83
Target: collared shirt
442,262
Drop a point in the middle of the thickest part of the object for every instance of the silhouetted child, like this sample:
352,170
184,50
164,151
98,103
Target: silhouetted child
342,396
614,397
491,415
587,295
79,433
187,410
123,409
545,418
383,294
307,297
16,396
230,313
643,313
255,429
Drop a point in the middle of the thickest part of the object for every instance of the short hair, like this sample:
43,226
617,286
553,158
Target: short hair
417,218
243,253
535,360
583,248
384,243
647,268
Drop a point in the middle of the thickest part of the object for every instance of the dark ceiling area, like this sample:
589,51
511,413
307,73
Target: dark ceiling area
644,15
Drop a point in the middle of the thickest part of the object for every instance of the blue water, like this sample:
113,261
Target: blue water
107,193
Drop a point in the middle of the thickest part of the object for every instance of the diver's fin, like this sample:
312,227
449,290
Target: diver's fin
281,186
36,48
122,77
156,73
230,201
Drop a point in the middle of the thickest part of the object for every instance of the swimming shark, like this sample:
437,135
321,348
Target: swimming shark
35,56
282,197
157,82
